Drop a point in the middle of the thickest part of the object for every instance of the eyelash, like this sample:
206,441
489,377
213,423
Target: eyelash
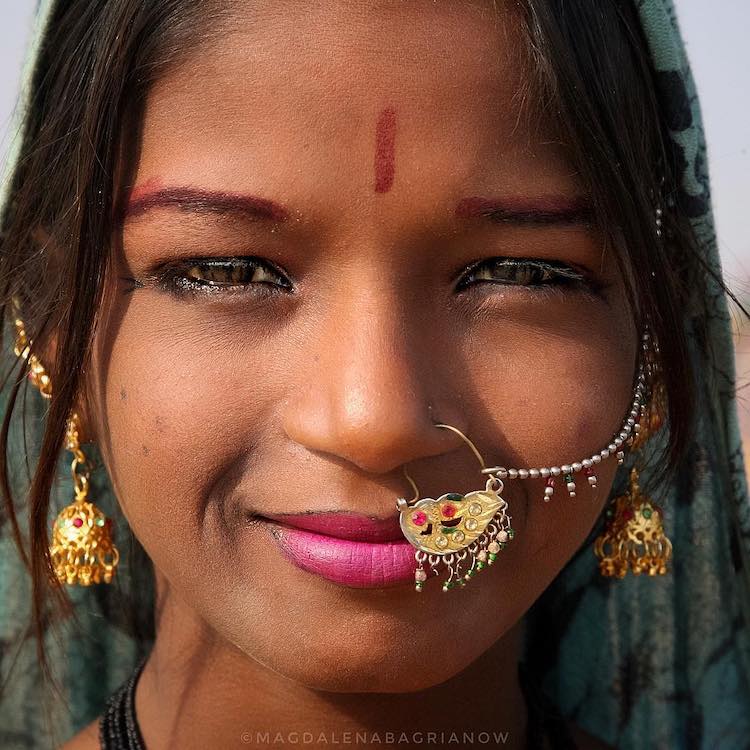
536,276
176,279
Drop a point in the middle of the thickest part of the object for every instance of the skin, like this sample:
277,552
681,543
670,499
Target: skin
314,399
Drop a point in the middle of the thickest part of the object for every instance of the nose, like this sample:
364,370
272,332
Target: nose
376,388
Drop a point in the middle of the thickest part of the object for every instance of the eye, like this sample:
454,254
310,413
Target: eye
221,275
526,272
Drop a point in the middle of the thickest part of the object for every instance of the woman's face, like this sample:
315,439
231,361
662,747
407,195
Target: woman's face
346,225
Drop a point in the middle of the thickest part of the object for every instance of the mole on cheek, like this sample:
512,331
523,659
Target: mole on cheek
385,147
123,395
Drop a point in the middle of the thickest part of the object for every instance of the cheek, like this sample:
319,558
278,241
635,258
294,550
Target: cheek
172,428
551,395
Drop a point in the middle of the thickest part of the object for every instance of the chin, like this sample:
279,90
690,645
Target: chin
363,674
372,653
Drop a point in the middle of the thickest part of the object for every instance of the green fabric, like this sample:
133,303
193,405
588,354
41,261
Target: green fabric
639,662
665,663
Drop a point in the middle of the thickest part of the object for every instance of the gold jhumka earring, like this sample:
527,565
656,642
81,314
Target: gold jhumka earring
633,538
82,550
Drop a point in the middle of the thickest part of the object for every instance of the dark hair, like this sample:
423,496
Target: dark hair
93,71
591,69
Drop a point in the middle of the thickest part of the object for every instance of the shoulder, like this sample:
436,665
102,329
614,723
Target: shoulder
86,739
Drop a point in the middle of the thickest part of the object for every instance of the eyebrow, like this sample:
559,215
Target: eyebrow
543,211
194,200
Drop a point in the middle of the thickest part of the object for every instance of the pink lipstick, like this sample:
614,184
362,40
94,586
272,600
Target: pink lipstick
347,548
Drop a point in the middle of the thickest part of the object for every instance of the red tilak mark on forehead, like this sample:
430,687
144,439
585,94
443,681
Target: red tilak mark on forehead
385,147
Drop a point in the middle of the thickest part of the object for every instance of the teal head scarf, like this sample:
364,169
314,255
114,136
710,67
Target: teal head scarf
638,662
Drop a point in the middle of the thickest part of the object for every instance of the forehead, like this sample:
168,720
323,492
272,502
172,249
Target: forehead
301,86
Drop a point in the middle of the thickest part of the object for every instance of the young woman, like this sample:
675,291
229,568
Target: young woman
353,317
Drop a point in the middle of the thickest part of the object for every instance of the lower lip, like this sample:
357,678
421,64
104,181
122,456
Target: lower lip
346,562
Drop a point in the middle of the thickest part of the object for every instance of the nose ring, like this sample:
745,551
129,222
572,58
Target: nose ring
463,532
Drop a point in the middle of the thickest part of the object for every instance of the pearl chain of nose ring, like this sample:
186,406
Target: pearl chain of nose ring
629,428
469,530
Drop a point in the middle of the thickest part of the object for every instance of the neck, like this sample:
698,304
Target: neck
199,691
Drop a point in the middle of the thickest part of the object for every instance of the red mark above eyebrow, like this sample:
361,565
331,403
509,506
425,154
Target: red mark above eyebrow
385,147
140,191
152,195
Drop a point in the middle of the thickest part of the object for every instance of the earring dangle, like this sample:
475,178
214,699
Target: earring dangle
82,550
463,532
633,538
37,374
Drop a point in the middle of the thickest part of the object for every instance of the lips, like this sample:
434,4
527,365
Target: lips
346,548
344,525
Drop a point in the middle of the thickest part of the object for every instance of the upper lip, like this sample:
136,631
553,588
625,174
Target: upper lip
343,525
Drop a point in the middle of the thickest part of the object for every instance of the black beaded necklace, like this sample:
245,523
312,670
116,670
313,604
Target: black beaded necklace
119,730
118,726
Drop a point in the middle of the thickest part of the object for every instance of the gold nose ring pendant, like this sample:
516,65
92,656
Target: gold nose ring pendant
463,532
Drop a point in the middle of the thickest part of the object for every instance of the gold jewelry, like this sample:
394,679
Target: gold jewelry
456,528
633,537
82,551
37,374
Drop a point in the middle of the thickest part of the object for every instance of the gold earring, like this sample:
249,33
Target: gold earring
633,537
456,530
82,550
